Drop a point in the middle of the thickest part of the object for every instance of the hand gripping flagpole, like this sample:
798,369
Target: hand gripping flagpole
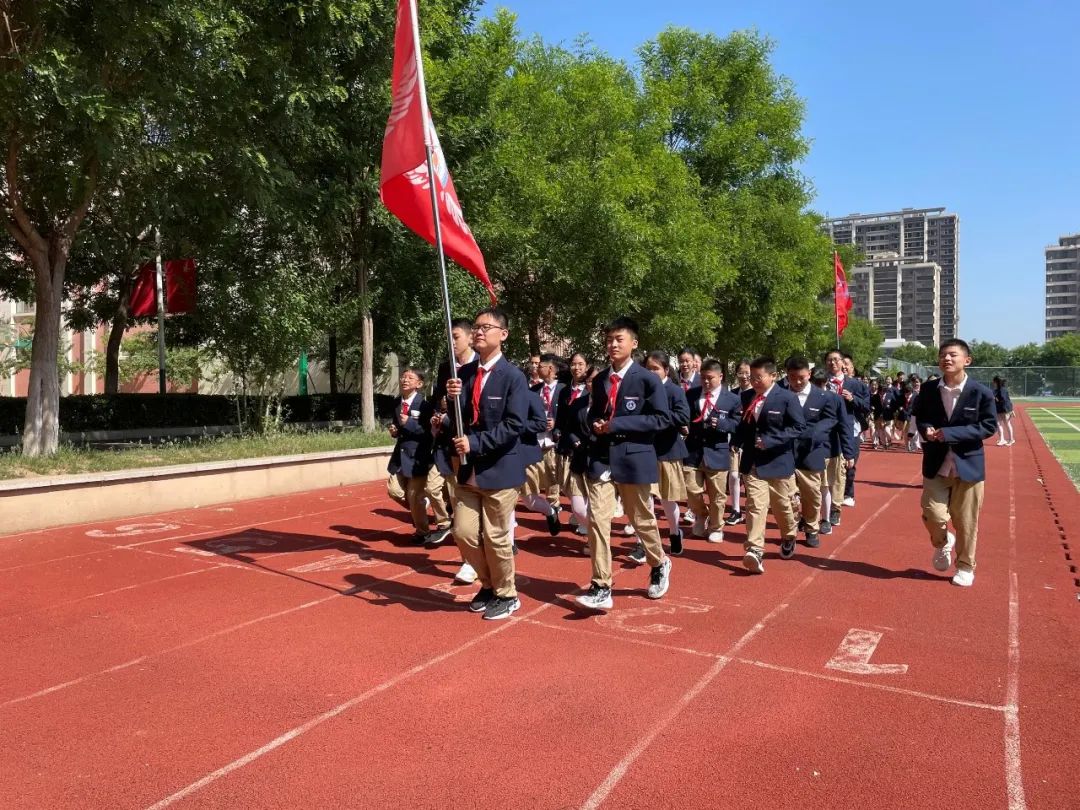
459,429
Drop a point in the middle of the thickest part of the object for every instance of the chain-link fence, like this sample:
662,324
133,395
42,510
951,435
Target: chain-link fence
1033,381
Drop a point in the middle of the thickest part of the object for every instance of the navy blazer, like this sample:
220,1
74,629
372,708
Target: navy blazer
412,449
709,442
554,412
495,441
573,440
822,415
535,424
859,406
444,453
627,450
1002,400
670,445
843,441
973,421
780,424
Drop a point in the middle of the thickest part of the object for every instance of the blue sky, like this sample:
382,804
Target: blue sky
967,105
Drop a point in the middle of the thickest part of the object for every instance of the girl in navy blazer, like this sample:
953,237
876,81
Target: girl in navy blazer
411,458
1004,408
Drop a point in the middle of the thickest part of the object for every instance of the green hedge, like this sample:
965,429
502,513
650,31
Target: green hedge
149,411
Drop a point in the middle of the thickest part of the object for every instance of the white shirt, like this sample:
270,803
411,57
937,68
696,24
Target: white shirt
458,365
622,371
545,438
761,404
408,402
490,364
803,395
950,395
713,394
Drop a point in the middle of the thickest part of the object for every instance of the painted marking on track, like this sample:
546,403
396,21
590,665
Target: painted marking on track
599,796
1014,774
337,562
854,654
1061,419
188,550
620,619
134,529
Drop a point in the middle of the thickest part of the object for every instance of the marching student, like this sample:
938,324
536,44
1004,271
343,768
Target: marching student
495,406
901,394
955,415
536,474
843,444
670,452
914,440
714,415
411,458
571,444
862,415
549,389
532,370
627,408
821,409
856,396
771,422
742,383
688,376
881,407
1004,407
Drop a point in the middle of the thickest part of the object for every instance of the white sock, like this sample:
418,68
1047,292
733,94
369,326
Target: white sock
735,485
826,502
580,508
671,509
1009,425
538,503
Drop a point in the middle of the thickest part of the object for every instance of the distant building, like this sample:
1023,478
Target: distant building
911,238
1063,287
901,296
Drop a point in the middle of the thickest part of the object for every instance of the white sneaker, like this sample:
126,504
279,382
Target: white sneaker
629,530
466,575
596,598
1010,444
965,579
716,537
618,509
943,555
688,516
1003,443
849,502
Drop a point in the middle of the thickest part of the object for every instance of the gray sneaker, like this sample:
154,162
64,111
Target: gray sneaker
638,554
501,607
752,561
596,598
660,579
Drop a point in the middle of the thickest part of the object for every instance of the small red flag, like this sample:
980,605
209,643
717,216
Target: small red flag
843,297
179,289
144,294
404,186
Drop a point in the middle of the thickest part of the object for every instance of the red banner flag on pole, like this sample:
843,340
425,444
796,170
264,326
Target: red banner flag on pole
843,297
405,184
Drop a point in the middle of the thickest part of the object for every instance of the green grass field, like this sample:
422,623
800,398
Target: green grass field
1060,426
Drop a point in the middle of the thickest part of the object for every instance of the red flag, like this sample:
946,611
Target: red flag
144,294
405,186
180,286
843,297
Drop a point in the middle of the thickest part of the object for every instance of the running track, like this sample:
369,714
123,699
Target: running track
297,652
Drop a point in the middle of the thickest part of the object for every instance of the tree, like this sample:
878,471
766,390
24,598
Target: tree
988,354
1029,354
1061,351
921,355
862,340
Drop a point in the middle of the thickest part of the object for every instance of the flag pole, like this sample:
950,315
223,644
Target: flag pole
459,429
159,284
836,302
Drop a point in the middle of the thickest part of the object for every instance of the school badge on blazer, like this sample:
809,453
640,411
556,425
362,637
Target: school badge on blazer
631,405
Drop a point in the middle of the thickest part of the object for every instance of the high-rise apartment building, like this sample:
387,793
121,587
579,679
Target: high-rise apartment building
923,235
901,296
1063,287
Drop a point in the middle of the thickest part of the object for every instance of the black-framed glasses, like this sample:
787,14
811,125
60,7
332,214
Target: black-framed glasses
485,327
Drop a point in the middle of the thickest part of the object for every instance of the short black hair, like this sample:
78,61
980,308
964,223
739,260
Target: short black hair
712,365
498,315
621,324
661,357
847,356
687,350
796,363
766,363
461,323
419,374
819,377
547,357
960,344
831,352
743,362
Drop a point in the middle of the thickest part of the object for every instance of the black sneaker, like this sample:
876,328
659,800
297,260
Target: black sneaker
638,554
501,607
734,519
834,517
811,540
787,548
419,539
802,525
483,598
676,543
553,523
437,537
824,527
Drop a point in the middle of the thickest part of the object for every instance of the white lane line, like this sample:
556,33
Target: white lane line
330,714
1061,419
1014,775
616,775
210,637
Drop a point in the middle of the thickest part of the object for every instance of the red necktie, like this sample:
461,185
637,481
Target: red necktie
838,384
575,393
706,408
749,415
404,408
547,399
478,383
685,386
613,394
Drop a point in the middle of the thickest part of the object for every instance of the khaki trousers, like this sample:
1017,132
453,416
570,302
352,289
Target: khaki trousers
635,500
809,485
483,533
836,478
409,492
701,481
551,474
436,494
945,498
763,494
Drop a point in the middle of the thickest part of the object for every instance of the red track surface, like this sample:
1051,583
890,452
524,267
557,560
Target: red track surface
297,652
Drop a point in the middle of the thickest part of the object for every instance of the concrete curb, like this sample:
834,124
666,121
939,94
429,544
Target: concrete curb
42,503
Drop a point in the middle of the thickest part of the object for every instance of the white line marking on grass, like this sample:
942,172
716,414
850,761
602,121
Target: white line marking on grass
1061,419
1014,776
622,768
